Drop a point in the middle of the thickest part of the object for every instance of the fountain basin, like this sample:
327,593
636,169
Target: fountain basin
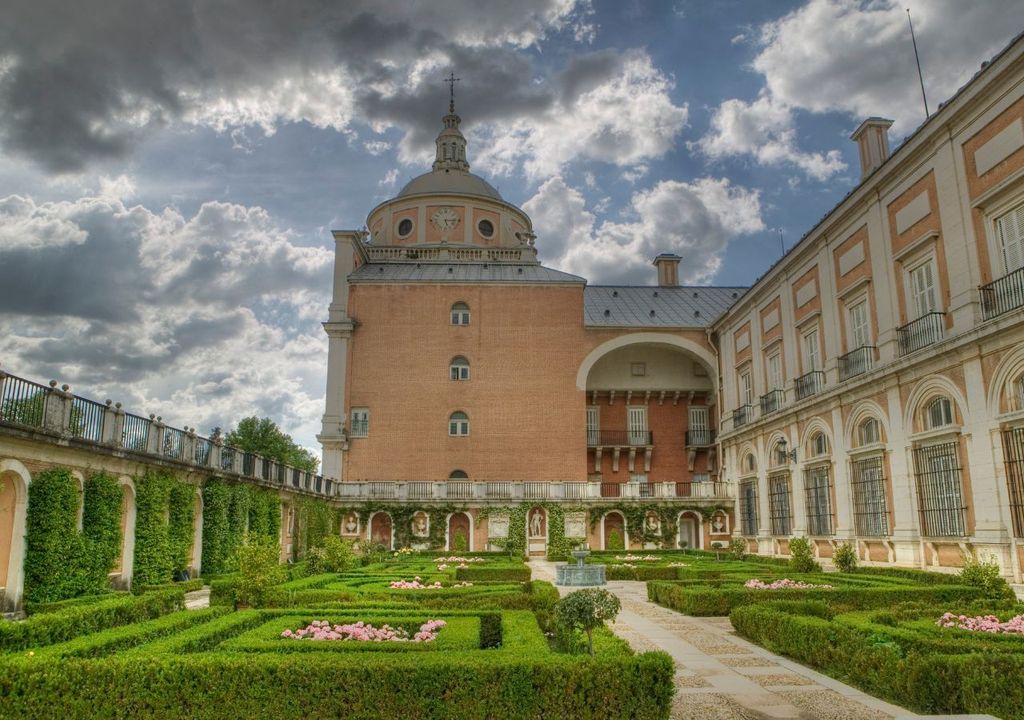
579,575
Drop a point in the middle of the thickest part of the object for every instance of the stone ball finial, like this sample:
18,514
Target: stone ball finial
109,402
53,383
117,405
152,416
65,387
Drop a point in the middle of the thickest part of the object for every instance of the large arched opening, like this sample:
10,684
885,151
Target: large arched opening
460,535
14,482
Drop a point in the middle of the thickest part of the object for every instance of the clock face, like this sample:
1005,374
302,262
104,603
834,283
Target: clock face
445,219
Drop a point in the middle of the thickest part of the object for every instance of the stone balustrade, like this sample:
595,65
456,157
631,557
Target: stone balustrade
525,491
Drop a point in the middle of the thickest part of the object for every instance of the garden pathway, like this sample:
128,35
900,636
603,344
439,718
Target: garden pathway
198,599
720,676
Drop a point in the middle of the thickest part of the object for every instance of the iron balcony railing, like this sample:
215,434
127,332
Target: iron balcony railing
55,410
1003,295
920,333
742,415
772,401
809,384
619,438
700,438
856,362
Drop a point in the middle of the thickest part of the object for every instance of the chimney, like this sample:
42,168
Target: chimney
668,269
872,138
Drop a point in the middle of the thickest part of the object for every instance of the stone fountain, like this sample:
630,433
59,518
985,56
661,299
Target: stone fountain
580,574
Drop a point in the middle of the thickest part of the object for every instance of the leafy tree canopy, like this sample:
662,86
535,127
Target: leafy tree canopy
263,436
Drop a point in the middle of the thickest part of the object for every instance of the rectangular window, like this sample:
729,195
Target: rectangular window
775,371
812,351
1013,456
748,507
593,425
939,490
698,429
638,369
1010,231
870,513
779,505
818,488
860,334
922,289
637,419
746,389
360,422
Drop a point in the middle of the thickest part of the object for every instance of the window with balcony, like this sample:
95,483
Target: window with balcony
458,424
860,332
593,425
1007,292
636,419
460,314
698,433
360,423
922,288
775,371
939,413
458,369
812,351
746,388
1010,234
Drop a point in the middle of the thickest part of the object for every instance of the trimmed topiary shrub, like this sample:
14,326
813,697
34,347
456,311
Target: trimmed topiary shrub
587,610
259,569
984,573
615,541
801,556
844,557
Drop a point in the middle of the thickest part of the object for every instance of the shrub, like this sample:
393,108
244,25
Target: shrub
460,543
338,555
259,570
500,574
845,558
375,553
615,541
490,630
737,548
316,560
984,573
587,609
801,556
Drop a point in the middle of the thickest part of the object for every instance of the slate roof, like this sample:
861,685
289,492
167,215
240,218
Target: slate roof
461,272
631,306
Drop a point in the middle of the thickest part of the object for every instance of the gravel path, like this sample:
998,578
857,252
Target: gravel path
720,676
198,599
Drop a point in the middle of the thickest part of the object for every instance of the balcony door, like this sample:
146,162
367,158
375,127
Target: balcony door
699,426
922,289
812,351
1010,229
637,420
593,426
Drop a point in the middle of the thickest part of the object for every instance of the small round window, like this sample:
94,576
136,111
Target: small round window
404,227
486,228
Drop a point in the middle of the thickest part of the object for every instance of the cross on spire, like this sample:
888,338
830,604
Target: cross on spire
451,80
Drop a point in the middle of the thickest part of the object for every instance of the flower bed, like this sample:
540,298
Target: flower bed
364,632
983,623
634,558
784,584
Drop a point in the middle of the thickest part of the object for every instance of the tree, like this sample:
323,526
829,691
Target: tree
263,436
587,609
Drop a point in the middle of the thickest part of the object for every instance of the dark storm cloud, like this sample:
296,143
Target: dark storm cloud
84,81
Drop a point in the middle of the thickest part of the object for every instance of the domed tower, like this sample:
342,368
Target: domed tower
446,231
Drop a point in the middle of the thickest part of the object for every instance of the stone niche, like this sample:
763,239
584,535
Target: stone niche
421,531
350,524
497,529
576,525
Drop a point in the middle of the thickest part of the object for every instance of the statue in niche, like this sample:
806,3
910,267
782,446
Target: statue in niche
652,524
718,524
420,526
351,524
537,523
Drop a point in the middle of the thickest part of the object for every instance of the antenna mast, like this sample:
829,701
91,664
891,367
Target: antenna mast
917,59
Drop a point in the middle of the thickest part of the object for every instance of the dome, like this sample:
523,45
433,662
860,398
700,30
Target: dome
449,182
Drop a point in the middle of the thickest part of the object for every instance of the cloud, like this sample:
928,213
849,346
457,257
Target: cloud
94,85
693,219
201,318
856,58
765,129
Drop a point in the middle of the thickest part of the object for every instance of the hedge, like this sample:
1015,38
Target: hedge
422,685
931,682
703,601
230,512
79,619
164,515
481,574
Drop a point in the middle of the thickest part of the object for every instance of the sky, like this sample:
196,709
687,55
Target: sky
170,172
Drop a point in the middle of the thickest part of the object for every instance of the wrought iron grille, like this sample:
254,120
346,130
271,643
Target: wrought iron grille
135,435
202,451
818,492
748,507
809,384
227,458
780,504
940,490
87,419
1003,295
771,401
920,333
174,443
22,401
870,511
1013,455
742,415
856,362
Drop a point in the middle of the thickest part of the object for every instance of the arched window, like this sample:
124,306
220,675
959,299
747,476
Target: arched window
460,314
458,475
777,456
818,445
939,413
1018,393
458,424
869,432
459,368
749,463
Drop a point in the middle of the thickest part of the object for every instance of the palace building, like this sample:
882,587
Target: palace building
869,388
